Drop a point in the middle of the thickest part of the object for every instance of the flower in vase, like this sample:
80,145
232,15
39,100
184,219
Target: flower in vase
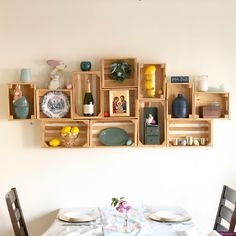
121,205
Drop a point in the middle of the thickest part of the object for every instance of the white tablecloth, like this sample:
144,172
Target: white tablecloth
104,226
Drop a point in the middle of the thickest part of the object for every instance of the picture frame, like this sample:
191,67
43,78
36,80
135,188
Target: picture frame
119,103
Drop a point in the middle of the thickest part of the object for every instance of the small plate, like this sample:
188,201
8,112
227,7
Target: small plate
55,104
170,216
113,136
76,216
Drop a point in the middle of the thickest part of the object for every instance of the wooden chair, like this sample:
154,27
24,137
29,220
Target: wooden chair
225,212
16,214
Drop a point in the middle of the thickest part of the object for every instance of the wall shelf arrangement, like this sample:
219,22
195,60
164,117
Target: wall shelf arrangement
166,131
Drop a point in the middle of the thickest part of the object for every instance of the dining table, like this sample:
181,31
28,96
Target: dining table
139,221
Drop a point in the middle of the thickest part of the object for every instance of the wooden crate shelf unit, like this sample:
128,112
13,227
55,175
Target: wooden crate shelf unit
28,91
151,135
159,82
179,129
96,126
173,89
40,93
217,105
109,82
52,130
79,89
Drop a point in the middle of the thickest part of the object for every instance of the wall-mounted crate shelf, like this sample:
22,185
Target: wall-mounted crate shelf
133,101
79,89
203,99
40,93
160,81
96,126
111,109
52,129
173,89
28,90
108,82
183,128
161,122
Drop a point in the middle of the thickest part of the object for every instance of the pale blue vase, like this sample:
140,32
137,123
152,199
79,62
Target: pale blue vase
25,75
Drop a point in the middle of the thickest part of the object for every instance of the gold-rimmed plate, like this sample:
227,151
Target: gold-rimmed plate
77,216
170,216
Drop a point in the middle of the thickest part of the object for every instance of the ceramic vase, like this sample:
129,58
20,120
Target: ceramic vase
180,107
25,75
203,83
85,65
21,108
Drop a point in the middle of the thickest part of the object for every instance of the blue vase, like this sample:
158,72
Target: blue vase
180,107
21,108
85,65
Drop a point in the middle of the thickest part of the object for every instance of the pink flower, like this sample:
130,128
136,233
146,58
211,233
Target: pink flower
121,209
124,204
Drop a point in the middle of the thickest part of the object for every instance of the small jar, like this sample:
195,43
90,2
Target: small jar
203,83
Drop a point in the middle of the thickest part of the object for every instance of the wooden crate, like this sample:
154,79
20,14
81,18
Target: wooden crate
160,81
108,82
79,89
39,97
160,105
173,89
181,128
96,126
208,98
52,129
28,90
133,101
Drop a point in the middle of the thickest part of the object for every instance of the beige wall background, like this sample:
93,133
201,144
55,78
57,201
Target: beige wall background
191,37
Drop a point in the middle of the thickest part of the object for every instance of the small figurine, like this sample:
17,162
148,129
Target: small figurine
150,120
69,86
196,142
17,93
184,142
56,76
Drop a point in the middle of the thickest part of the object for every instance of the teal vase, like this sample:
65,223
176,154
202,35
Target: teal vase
21,108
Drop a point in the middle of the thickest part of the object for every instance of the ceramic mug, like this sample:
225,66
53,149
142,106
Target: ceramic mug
25,75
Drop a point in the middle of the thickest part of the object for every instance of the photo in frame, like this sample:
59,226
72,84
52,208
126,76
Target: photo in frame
119,103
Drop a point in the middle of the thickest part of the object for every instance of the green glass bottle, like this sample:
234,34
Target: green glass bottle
88,105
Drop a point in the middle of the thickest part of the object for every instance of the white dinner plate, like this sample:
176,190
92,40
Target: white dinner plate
77,216
170,216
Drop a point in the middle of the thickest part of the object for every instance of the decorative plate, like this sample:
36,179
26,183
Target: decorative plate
78,216
170,216
113,136
55,104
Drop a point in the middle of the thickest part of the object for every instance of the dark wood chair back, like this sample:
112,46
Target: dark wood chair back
226,211
16,214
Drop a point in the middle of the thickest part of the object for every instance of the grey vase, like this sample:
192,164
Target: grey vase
21,108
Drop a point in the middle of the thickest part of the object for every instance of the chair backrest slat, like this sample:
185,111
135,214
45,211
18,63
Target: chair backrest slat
224,212
16,215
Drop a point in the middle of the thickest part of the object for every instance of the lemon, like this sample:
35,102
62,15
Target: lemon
75,130
54,142
150,70
66,129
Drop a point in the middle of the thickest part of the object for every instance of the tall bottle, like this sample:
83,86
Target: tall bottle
88,105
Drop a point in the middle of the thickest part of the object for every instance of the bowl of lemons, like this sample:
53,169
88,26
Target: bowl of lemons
69,135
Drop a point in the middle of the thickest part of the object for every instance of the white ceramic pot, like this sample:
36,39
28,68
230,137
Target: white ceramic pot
203,84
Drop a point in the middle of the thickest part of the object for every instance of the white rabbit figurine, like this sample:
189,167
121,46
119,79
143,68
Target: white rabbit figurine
56,76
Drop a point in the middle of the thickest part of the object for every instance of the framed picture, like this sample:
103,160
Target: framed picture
119,103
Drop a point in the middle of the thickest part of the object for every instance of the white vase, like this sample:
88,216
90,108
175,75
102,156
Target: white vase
203,83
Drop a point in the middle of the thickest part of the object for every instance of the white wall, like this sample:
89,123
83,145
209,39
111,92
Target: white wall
191,36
